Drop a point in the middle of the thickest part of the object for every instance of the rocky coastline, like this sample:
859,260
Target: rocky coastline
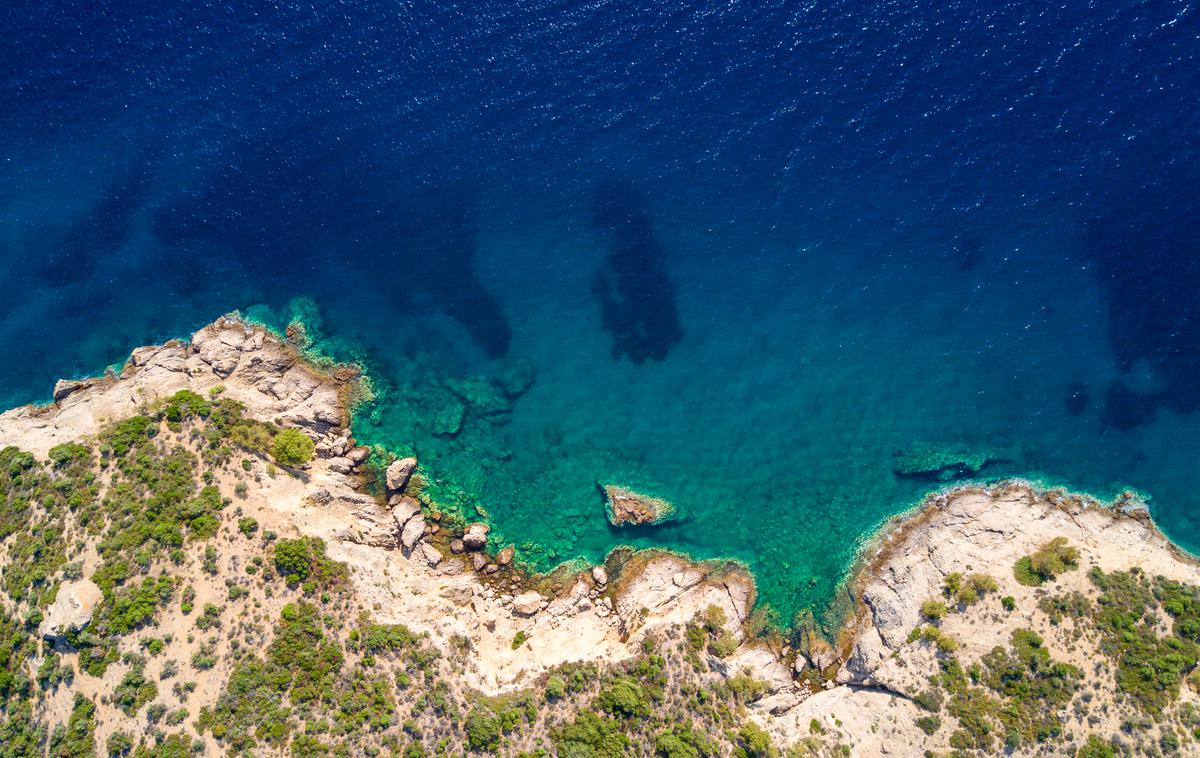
415,563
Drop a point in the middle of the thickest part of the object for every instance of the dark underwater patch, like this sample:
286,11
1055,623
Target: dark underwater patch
1145,247
632,289
99,233
1077,398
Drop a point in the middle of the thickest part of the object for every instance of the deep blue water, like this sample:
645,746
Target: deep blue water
752,250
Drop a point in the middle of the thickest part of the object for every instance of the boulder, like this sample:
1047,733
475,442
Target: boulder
341,465
527,603
413,531
358,455
403,509
599,576
399,472
505,556
475,537
71,610
457,546
430,554
625,506
478,561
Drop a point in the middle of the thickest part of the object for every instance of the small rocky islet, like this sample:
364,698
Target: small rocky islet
199,557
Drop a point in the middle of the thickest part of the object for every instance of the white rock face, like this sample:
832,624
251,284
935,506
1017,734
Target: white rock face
599,576
72,609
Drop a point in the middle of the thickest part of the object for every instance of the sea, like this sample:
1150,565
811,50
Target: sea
754,258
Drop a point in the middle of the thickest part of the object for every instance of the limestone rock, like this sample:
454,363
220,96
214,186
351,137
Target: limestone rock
527,603
475,537
599,576
358,455
505,556
478,561
63,388
71,610
625,506
399,472
413,531
457,546
756,662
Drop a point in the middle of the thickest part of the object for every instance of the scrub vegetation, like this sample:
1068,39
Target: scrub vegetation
195,593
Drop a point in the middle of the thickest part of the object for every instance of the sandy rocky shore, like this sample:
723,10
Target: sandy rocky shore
405,571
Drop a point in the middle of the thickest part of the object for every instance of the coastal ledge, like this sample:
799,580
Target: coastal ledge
409,564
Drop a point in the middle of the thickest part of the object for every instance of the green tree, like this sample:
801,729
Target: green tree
292,447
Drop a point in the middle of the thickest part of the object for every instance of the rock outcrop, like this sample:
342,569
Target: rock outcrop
625,506
71,610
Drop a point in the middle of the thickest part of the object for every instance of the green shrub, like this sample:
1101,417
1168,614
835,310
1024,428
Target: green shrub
292,447
556,688
134,690
929,724
624,698
119,744
184,404
753,742
1050,560
685,741
519,639
590,735
1096,748
77,740
1150,669
1008,603
934,610
482,728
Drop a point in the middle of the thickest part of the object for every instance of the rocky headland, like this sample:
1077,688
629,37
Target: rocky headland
987,620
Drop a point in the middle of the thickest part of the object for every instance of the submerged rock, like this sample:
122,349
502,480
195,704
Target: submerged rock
71,610
517,378
625,506
484,399
942,464
448,420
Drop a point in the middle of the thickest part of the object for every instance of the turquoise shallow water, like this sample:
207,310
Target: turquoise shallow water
752,253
